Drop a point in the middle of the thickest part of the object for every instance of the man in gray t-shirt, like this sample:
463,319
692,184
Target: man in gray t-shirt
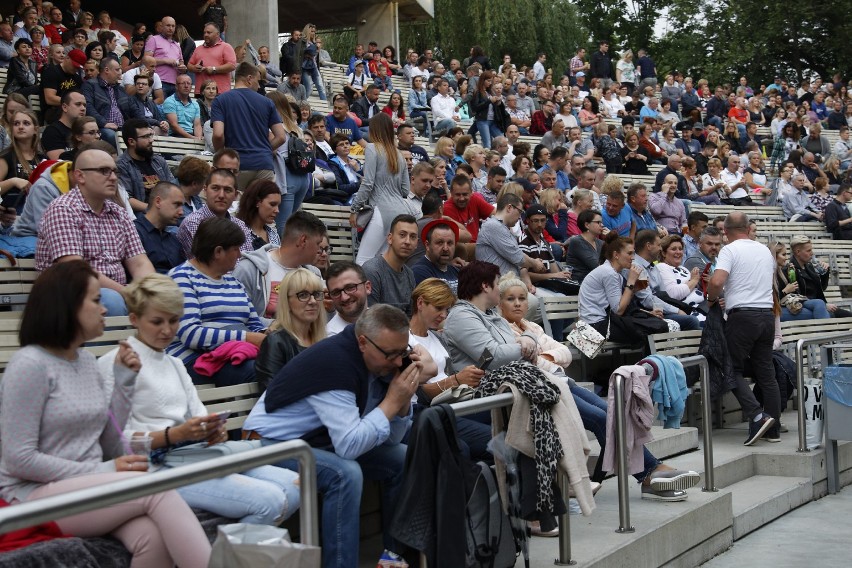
496,243
393,281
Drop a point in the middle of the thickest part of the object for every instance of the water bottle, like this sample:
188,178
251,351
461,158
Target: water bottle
791,273
818,267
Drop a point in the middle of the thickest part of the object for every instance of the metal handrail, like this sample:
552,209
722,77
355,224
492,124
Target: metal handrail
621,442
31,513
507,399
800,378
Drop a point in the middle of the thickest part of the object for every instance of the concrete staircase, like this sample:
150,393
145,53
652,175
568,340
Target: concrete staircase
756,485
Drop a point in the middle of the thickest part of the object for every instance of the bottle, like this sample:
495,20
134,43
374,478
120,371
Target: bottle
791,273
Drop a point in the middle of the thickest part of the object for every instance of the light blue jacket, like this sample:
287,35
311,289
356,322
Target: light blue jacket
669,391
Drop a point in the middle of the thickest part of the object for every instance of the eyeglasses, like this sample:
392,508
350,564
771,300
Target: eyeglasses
304,296
325,250
391,356
349,289
95,133
105,171
148,136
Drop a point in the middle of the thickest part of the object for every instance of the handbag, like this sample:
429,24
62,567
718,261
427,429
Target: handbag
201,451
243,545
363,216
794,303
458,393
560,285
587,339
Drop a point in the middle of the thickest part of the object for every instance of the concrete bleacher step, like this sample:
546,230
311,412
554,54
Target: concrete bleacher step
761,499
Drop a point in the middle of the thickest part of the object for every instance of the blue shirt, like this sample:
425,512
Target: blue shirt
248,117
186,112
162,247
562,180
643,221
621,223
425,268
347,127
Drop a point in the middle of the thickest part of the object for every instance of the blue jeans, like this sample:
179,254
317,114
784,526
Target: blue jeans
811,309
445,124
113,302
169,89
592,410
340,483
487,130
427,127
297,188
108,135
687,323
311,77
265,495
715,121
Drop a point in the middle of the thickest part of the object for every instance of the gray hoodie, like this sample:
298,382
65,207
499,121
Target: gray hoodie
252,273
468,331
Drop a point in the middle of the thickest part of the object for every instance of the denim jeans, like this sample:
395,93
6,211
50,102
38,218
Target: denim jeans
444,124
340,483
168,89
113,302
297,188
487,130
811,309
592,410
108,135
265,495
311,77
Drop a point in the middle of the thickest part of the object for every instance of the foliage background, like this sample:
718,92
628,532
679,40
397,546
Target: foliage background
719,40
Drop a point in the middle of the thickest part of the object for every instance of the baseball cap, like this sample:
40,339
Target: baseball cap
524,183
77,57
535,209
580,74
698,125
439,223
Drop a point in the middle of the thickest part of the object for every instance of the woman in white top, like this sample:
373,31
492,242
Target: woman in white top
166,407
676,281
625,71
431,301
610,105
713,178
565,115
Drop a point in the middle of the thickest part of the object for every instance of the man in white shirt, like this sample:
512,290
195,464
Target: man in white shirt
745,270
735,181
348,288
538,67
500,144
445,111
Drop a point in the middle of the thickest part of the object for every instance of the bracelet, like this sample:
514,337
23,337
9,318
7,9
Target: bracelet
457,380
168,442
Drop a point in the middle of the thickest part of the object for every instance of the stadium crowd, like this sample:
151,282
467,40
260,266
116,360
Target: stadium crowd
530,184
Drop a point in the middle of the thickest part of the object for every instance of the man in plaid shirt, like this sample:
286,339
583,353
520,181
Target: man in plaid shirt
86,224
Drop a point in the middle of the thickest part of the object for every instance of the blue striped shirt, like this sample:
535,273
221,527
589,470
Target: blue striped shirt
215,311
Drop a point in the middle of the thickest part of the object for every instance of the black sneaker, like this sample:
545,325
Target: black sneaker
756,429
773,434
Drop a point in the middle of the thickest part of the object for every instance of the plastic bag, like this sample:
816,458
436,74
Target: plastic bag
243,545
813,413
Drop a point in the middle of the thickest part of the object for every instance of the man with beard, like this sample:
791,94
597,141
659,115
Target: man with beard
139,169
348,288
393,280
439,237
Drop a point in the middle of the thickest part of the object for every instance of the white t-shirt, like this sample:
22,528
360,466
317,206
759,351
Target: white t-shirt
436,349
335,325
750,267
732,179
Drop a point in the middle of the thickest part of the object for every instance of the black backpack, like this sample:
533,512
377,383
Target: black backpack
300,160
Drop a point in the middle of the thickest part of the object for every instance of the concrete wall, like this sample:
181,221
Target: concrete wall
379,23
256,20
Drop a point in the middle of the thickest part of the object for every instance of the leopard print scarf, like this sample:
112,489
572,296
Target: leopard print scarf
543,394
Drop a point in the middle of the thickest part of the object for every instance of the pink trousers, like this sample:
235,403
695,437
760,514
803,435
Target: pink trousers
159,530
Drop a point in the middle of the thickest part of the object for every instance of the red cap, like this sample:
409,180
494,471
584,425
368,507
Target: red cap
77,57
442,222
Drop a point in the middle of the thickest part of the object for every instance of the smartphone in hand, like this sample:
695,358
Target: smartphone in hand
485,359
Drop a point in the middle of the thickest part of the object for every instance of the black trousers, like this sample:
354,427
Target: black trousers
750,335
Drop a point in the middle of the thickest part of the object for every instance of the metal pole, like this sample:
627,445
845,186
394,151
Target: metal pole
475,405
564,526
31,513
800,378
621,455
707,417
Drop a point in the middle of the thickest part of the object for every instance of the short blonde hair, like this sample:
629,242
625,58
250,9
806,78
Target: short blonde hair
435,292
612,184
512,187
471,150
550,199
156,291
294,282
442,144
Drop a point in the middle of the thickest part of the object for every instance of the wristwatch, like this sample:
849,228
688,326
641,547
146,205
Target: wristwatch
631,286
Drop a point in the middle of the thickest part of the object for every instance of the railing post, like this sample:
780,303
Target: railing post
564,526
707,418
621,457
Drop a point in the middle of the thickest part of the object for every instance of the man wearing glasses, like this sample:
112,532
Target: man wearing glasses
86,224
139,168
348,289
349,397
260,272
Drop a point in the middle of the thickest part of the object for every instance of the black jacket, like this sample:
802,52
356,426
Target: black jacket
834,213
811,284
136,109
714,347
277,350
291,57
361,108
430,508
601,66
21,77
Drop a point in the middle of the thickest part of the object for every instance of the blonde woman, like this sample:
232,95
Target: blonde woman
299,323
625,71
164,397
